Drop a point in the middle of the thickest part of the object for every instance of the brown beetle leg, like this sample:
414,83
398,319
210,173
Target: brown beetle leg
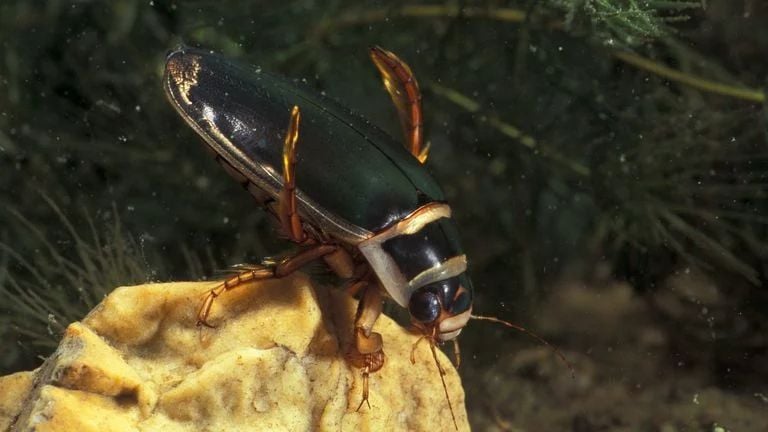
354,287
367,352
279,270
404,90
287,212
341,263
456,353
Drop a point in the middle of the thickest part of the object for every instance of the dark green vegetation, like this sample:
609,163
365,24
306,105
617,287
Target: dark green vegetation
571,137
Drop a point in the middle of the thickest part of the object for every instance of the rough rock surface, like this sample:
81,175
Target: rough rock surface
275,362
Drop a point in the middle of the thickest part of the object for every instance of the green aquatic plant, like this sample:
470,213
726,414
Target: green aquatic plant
623,22
692,188
64,275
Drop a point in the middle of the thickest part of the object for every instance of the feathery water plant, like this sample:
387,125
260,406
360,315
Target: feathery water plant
60,279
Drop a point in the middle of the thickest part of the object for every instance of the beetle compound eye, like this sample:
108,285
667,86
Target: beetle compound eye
424,306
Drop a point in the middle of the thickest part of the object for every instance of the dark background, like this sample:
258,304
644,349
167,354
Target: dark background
606,161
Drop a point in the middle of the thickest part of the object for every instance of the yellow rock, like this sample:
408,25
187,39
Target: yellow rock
274,362
13,390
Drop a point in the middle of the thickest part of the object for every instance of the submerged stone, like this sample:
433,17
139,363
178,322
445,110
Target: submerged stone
275,361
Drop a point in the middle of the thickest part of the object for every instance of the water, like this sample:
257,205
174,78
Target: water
606,167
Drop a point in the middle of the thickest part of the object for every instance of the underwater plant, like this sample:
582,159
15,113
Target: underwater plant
64,276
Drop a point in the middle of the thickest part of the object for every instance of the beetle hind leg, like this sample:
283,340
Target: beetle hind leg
287,211
404,90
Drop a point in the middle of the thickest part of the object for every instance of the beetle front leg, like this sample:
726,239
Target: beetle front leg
279,270
368,350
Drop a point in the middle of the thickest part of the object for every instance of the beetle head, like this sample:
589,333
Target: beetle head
441,309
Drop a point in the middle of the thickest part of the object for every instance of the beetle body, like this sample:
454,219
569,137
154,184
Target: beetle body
341,188
354,184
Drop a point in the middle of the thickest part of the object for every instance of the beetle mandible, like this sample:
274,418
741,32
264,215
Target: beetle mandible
388,231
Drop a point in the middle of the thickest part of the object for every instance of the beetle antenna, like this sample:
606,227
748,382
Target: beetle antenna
531,334
445,386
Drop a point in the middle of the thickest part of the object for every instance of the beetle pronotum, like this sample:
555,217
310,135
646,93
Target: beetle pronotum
340,188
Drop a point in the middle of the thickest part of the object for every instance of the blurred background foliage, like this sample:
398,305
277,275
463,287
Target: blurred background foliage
584,140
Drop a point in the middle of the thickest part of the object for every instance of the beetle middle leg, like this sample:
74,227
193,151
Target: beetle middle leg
367,352
276,271
287,212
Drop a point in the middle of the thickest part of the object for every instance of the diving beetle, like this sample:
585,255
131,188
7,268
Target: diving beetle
340,188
